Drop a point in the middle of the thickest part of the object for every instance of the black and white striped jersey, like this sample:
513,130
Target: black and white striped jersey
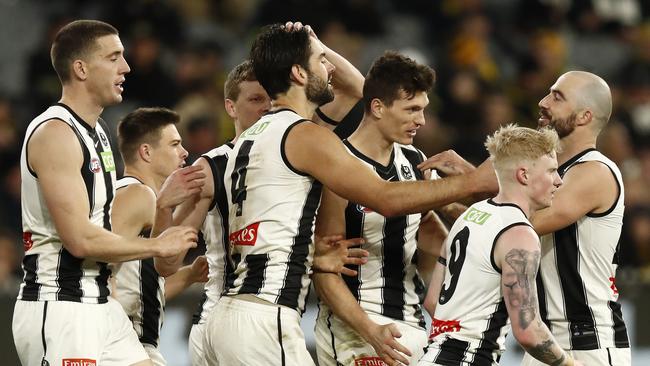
272,207
51,272
140,290
389,283
576,282
215,233
471,320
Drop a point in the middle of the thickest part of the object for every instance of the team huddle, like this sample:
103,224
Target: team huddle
531,245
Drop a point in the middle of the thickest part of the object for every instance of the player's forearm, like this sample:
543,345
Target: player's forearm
333,291
346,77
101,245
178,282
539,343
163,220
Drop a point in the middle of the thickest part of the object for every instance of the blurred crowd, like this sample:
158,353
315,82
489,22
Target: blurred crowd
494,59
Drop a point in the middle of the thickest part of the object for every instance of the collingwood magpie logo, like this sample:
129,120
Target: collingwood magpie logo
104,139
406,172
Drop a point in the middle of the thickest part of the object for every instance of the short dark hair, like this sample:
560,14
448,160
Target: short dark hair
393,72
143,125
241,72
274,52
75,40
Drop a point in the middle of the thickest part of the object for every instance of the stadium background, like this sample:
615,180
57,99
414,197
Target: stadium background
494,60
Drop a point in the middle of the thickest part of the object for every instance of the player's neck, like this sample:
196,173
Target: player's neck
82,104
296,100
372,143
514,196
574,144
143,176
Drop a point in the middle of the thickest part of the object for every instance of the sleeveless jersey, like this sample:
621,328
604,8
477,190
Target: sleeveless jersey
51,272
215,233
140,290
389,283
581,309
471,319
271,214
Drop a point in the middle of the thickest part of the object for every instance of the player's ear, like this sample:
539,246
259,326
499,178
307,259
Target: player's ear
145,152
298,74
522,175
377,108
80,69
230,108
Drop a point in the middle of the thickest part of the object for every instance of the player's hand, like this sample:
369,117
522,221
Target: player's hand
199,270
291,26
180,185
333,253
383,340
447,162
176,240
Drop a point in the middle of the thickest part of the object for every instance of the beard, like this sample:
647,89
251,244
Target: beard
318,90
563,126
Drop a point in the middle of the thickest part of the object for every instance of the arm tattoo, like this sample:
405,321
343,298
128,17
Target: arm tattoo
544,352
521,283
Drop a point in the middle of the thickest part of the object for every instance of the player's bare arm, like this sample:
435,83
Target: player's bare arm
55,156
435,284
517,253
132,210
431,236
318,152
191,211
186,276
597,194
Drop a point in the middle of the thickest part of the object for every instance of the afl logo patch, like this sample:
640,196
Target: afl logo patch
95,166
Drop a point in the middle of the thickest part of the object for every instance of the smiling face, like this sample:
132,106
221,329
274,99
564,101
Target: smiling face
544,180
558,108
106,70
400,122
168,154
318,88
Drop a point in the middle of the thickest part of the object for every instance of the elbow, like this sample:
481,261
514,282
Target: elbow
164,269
77,248
386,209
525,338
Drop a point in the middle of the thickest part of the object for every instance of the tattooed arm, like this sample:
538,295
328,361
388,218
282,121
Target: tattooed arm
517,254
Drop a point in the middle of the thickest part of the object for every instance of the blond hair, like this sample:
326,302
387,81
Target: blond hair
512,144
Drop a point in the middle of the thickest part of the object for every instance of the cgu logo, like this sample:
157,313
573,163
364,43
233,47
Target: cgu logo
476,216
443,326
95,166
78,362
369,361
245,236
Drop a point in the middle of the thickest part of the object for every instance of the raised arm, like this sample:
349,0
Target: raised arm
318,152
56,157
517,253
597,194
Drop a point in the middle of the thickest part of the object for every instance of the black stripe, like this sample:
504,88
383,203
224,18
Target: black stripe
484,355
582,328
541,296
282,149
215,179
329,327
196,317
297,262
151,306
353,229
69,274
231,277
32,287
609,358
222,204
280,336
256,264
86,173
43,361
620,331
452,352
567,164
414,158
108,179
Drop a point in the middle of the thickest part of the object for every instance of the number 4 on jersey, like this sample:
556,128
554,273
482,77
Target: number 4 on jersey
238,176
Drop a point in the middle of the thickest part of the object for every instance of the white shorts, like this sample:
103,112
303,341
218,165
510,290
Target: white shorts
597,357
156,357
339,344
241,332
195,344
69,333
